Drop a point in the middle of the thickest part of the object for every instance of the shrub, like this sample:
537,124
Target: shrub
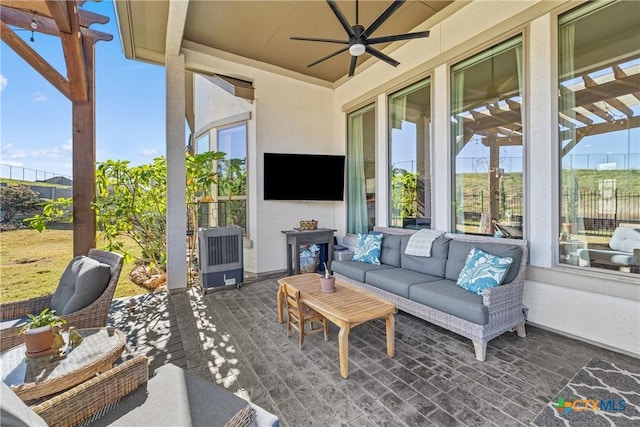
15,199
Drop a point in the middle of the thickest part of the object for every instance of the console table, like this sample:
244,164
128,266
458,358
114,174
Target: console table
297,238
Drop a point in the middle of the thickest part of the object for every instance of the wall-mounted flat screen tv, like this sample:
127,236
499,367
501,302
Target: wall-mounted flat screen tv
303,177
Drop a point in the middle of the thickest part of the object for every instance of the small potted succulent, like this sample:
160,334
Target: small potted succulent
327,282
38,332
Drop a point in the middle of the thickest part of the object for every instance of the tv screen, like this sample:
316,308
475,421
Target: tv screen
303,177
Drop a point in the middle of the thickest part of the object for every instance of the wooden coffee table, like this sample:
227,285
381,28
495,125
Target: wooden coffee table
347,307
39,377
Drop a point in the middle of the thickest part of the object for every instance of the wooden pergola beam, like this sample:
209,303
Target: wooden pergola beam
74,56
36,61
60,13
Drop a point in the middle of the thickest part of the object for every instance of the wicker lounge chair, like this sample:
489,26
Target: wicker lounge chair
92,316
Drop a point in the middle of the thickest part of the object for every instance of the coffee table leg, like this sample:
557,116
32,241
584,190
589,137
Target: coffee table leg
343,349
391,330
279,297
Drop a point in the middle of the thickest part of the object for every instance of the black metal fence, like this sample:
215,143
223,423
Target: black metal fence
599,212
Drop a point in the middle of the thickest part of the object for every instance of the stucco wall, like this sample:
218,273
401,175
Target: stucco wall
287,116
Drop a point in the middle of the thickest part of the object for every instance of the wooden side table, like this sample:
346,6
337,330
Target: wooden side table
35,378
297,238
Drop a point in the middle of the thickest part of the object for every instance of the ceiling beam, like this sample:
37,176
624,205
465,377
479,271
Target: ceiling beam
175,26
36,61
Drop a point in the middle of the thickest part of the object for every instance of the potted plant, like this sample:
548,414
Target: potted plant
38,333
327,282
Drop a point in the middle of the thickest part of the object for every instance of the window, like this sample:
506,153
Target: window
486,119
409,157
599,136
361,170
230,206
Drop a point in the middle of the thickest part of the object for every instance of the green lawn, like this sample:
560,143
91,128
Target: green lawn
31,264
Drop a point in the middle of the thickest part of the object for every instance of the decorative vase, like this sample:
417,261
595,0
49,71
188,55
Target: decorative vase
328,285
39,341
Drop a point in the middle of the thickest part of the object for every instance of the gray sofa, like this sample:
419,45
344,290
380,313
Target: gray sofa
426,286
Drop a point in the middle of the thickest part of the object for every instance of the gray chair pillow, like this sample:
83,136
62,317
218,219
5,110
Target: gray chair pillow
82,282
14,412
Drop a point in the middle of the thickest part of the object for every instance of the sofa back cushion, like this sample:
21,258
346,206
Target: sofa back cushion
391,245
433,265
82,282
458,252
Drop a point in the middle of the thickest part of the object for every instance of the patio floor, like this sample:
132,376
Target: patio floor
232,337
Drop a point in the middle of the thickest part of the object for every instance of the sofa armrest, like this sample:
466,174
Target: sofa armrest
504,296
93,396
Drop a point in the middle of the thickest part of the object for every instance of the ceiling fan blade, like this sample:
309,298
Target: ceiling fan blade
345,24
352,66
313,39
398,37
383,17
331,55
375,52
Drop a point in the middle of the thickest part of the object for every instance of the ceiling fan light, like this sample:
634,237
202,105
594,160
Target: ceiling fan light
357,49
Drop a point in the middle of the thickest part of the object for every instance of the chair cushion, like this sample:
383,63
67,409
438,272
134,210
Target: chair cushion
369,248
13,323
483,271
175,397
14,412
625,239
81,283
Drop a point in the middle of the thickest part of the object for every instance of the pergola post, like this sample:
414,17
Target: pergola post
84,159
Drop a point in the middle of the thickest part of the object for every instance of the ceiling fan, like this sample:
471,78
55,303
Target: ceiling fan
359,38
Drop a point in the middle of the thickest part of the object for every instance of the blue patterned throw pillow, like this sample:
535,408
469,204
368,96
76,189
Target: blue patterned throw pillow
368,249
482,271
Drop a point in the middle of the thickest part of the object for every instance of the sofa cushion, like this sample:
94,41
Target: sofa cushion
81,283
356,270
368,249
433,265
397,280
13,323
625,239
459,250
391,244
446,296
483,271
14,412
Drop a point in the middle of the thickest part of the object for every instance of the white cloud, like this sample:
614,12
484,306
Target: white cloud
3,82
149,152
40,97
11,163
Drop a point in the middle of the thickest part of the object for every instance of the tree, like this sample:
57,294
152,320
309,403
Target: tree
131,201
16,199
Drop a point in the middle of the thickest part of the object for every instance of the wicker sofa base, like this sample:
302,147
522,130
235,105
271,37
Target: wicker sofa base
499,322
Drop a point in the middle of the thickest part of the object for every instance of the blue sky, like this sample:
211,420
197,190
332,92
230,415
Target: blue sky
36,121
